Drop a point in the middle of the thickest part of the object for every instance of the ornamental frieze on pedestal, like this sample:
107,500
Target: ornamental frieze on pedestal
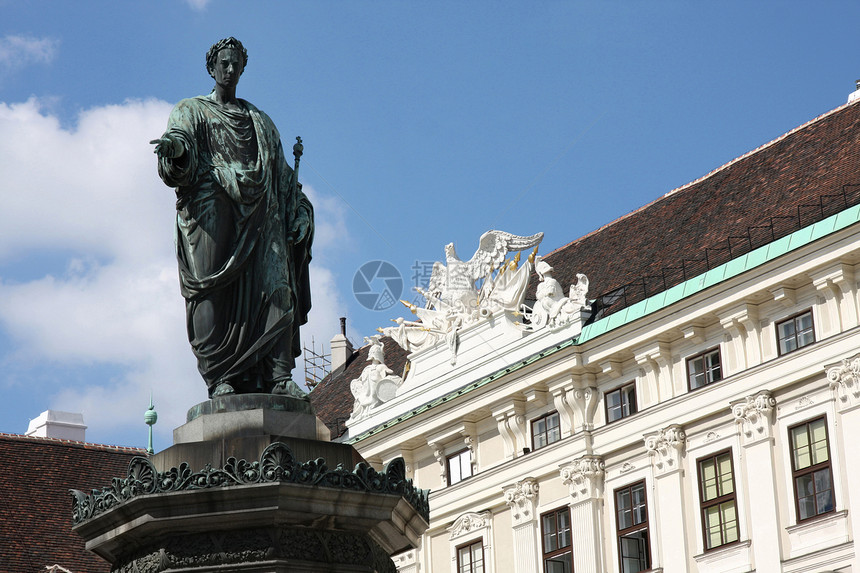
276,464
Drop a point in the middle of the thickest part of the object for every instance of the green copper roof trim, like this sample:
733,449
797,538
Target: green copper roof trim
465,389
652,304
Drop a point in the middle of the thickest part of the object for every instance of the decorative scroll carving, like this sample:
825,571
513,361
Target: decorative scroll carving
214,549
844,381
665,448
585,402
439,454
276,464
469,522
376,385
755,414
584,478
522,497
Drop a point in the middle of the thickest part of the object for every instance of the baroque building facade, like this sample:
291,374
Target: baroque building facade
697,410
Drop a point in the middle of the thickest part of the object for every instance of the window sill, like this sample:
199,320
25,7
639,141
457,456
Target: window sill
825,530
734,557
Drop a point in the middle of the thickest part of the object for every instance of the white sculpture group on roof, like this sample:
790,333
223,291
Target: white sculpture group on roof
464,293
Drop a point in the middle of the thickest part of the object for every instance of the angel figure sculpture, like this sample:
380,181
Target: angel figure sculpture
377,383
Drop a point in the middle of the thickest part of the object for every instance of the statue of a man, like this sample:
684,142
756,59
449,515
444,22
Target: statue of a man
243,234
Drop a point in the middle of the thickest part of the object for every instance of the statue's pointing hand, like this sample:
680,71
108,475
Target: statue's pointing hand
168,146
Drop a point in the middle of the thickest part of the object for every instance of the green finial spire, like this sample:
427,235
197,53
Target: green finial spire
150,417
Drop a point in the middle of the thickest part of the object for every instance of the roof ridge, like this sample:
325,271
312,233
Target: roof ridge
89,445
710,173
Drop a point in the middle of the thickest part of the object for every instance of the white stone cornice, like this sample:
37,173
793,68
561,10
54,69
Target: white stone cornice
755,416
666,448
611,367
468,523
694,333
584,478
522,498
844,381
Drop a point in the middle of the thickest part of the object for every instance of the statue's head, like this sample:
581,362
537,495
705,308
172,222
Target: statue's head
231,42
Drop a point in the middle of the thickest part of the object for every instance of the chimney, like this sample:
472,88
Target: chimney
856,93
341,348
56,424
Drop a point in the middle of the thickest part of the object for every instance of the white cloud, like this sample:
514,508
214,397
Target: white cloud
92,195
198,5
19,51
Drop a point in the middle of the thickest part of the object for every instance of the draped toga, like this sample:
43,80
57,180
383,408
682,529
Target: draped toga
243,243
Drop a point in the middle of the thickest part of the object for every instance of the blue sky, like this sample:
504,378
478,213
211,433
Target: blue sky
423,123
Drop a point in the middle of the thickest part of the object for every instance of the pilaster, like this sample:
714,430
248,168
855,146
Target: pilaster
844,379
510,417
666,449
754,417
521,497
744,347
656,361
584,478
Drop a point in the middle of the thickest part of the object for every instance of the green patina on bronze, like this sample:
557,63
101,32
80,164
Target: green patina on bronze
243,234
276,464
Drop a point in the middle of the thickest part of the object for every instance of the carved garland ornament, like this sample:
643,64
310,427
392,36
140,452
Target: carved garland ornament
844,380
276,464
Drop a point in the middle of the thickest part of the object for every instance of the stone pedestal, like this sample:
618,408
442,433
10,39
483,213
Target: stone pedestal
247,502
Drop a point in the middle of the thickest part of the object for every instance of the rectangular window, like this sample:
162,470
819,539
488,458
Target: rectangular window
546,430
459,466
795,332
631,513
704,369
621,402
557,543
470,558
810,464
717,494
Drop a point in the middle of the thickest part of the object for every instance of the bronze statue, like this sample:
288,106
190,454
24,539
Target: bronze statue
243,234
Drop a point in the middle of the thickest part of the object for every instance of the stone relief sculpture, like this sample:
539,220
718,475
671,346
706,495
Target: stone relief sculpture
552,309
454,297
243,234
377,383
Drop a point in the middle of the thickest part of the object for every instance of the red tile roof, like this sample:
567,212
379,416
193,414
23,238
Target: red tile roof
801,177
35,507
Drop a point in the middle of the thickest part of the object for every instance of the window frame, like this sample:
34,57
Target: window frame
632,410
546,432
469,545
559,551
793,318
812,469
718,501
715,350
458,455
634,527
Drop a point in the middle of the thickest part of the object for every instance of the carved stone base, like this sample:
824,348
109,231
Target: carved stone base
234,494
274,549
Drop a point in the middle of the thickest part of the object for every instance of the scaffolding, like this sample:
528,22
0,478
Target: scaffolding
317,364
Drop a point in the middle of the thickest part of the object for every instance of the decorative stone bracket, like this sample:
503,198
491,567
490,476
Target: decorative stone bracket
522,498
666,448
512,423
584,478
755,414
844,381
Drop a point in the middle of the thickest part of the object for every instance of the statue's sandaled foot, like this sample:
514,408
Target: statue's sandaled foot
287,387
223,389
